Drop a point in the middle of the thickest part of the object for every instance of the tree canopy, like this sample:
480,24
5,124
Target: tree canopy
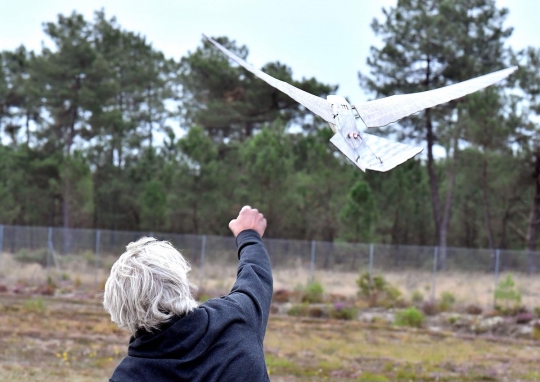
101,130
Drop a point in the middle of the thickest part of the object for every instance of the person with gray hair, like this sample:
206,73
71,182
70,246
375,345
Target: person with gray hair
173,338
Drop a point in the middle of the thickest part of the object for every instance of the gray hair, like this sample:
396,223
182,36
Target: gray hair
148,285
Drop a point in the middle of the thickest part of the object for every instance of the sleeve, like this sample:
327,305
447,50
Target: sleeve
254,285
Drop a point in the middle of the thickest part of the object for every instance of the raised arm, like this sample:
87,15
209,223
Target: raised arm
253,287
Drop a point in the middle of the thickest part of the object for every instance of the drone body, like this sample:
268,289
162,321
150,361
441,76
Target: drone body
365,150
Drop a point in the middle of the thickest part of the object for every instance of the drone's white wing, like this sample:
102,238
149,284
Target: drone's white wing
317,105
383,111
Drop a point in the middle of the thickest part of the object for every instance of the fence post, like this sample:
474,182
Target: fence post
312,266
98,238
53,252
497,256
434,282
1,245
49,240
370,262
203,253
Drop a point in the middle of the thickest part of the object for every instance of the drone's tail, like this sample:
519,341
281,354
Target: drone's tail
375,153
339,141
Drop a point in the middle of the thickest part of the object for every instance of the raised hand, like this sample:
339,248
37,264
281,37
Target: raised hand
248,218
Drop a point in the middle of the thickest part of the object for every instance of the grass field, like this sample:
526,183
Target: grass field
53,339
467,287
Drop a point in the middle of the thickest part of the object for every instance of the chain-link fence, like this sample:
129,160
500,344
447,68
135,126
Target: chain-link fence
34,253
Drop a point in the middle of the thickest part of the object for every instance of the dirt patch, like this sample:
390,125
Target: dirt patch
54,339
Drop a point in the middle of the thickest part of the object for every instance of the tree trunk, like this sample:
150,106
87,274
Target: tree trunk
487,214
443,235
533,217
445,222
28,129
433,182
67,172
65,210
441,226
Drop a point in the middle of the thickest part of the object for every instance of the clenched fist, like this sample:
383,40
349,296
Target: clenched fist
248,218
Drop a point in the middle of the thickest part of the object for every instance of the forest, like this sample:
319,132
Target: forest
101,130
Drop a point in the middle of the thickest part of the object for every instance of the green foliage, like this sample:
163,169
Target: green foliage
507,293
89,257
35,305
358,215
378,291
299,310
447,301
407,62
417,297
50,282
80,118
370,377
25,255
203,298
313,293
536,330
342,311
409,317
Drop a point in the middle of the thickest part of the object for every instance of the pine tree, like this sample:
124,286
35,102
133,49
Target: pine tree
428,44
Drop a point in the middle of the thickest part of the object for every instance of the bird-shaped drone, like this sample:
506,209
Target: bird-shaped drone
368,151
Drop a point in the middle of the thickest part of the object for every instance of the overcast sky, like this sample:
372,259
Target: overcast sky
325,39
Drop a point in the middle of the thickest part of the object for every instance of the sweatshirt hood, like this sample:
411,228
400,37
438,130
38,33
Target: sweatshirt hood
178,338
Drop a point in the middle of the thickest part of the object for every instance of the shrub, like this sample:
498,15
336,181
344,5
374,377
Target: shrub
34,305
46,289
430,309
305,310
298,310
409,317
473,309
202,295
378,291
39,256
90,258
392,297
343,311
317,312
369,377
536,330
537,311
281,295
524,318
313,293
417,297
447,301
507,294
506,310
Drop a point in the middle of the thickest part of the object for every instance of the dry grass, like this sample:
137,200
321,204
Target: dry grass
50,339
56,340
331,350
467,287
